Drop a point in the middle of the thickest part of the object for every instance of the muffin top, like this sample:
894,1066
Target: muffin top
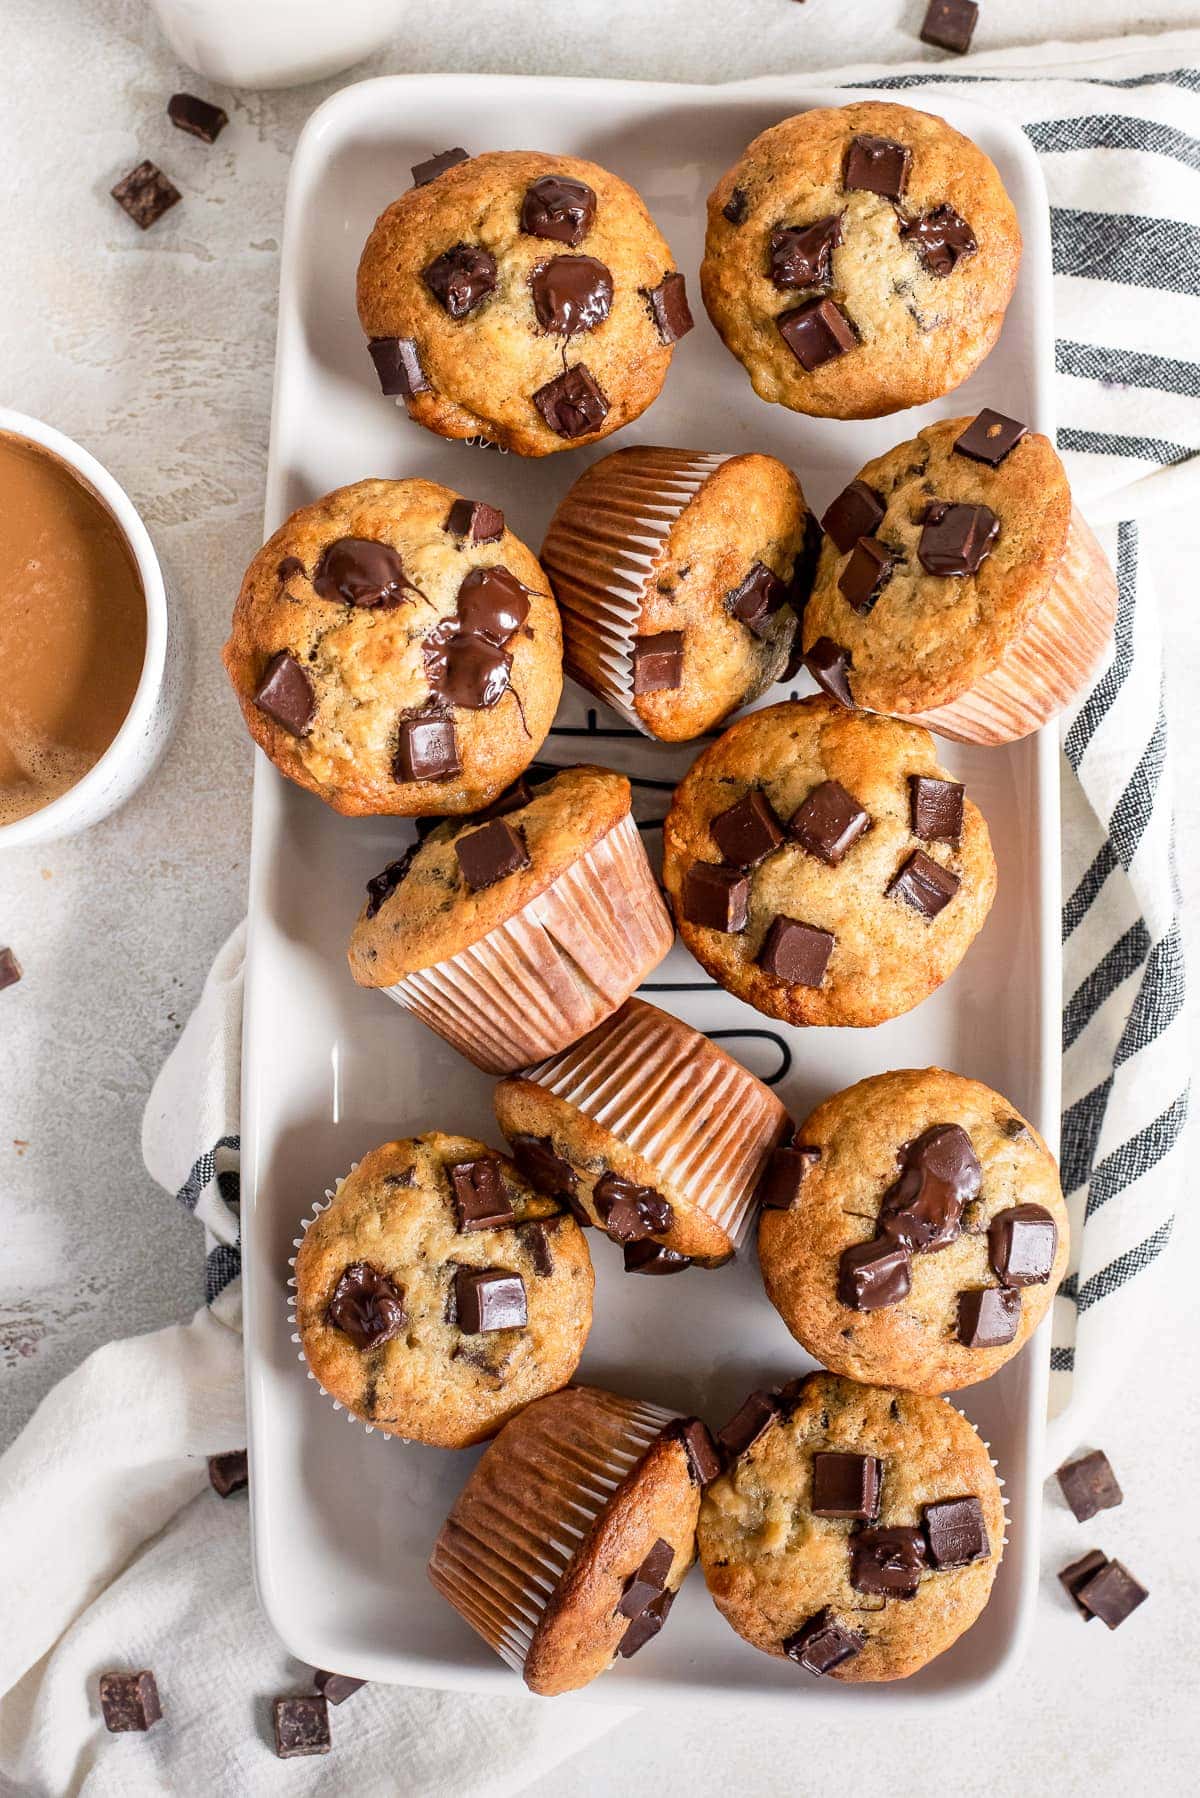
466,876
438,1293
526,299
859,259
857,1532
395,649
935,559
906,1200
823,866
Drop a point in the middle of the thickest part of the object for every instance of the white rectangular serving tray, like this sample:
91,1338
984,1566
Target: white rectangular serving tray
343,1522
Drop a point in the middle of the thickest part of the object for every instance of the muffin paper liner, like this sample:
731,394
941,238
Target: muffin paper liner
704,1122
1047,665
550,973
600,550
530,1511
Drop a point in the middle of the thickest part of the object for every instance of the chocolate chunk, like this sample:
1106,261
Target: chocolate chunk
855,513
877,165
513,799
367,1306
645,1626
301,1726
715,897
988,1317
956,540
939,1176
756,599
398,365
658,662
956,1532
874,1274
866,574
937,808
1075,1576
466,668
335,1688
1090,1485
426,750
381,887
535,1239
572,404
989,438
1112,1594
571,294
736,206
704,1462
817,332
461,278
291,565
10,969
129,1700
802,255
145,194
489,1298
748,1423
941,238
285,694
1021,1245
748,831
480,1201
796,953
654,1258
628,1211
949,24
924,885
228,1473
829,823
557,207
359,571
846,1485
668,303
545,1171
830,665
488,855
822,1643
783,1176
425,172
887,1562
647,1581
475,521
199,118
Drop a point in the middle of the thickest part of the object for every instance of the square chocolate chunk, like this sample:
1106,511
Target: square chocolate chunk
129,1701
796,953
301,1726
145,194
668,303
285,694
887,1562
956,1532
1078,1573
949,24
489,1298
398,365
658,662
830,664
10,969
817,332
756,599
646,1625
756,1414
480,1201
1112,1594
703,1459
1021,1245
828,823
716,897
200,118
988,1317
647,1581
229,1473
784,1175
846,1485
490,854
855,513
924,884
748,831
866,574
873,1274
426,750
572,404
956,540
1090,1485
425,172
336,1687
822,1643
937,808
475,521
989,438
877,166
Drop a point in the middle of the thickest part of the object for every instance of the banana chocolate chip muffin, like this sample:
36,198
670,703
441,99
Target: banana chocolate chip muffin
395,649
822,866
522,299
859,259
437,1293
856,1530
958,584
568,1543
681,576
914,1233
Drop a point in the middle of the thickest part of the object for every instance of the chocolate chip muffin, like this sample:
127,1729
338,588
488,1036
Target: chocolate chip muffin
958,585
567,1545
437,1293
856,1531
859,259
823,867
649,1130
914,1232
522,299
395,649
680,576
513,933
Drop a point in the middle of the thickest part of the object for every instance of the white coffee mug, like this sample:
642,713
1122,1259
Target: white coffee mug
147,726
275,43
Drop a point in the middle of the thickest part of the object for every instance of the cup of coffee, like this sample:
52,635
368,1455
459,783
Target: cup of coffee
89,662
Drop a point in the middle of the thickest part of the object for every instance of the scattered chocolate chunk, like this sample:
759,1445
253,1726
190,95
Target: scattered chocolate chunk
229,1472
1021,1245
887,1562
572,403
753,1417
630,1212
571,294
956,540
855,513
846,1485
398,365
145,194
784,1175
291,565
668,303
755,600
989,438
988,1317
658,662
648,1257
796,953
461,278
924,885
877,166
426,750
817,332
335,1688
559,208
873,1274
489,1298
545,1171
716,897
480,1201
129,1700
956,1532
512,799
736,206
475,521
829,823
748,831
359,571
647,1581
939,1176
949,24
10,969
301,1726
703,1459
1090,1485
425,172
537,1241
866,573
381,886
646,1625
802,255
830,665
488,855
1112,1594
1075,1576
937,808
199,118
942,239
285,693
366,1306
822,1643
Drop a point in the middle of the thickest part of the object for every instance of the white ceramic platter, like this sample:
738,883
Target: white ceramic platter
343,1521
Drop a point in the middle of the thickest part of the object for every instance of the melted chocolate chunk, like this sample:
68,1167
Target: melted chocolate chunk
490,854
465,658
887,1562
939,1176
629,1212
941,239
716,897
285,693
846,1485
492,603
830,665
876,165
855,513
645,1626
796,953
668,303
366,1306
784,1175
426,749
291,565
736,206
654,1258
817,332
647,1581
936,808
1112,1594
559,208
874,1274
480,1201
802,255
829,823
425,172
381,887
229,1473
988,1317
571,294
487,1299
1077,1575
572,404
199,118
949,24
336,1687
145,194
753,1417
704,1462
461,278
129,1701
822,1643
924,885
658,662
866,574
301,1726
10,968
989,438
755,601
545,1171
475,521
358,571
748,831
956,540
1021,1245
955,1532
1090,1485
398,365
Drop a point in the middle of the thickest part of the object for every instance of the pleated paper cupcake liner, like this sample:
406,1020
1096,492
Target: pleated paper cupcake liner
549,974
